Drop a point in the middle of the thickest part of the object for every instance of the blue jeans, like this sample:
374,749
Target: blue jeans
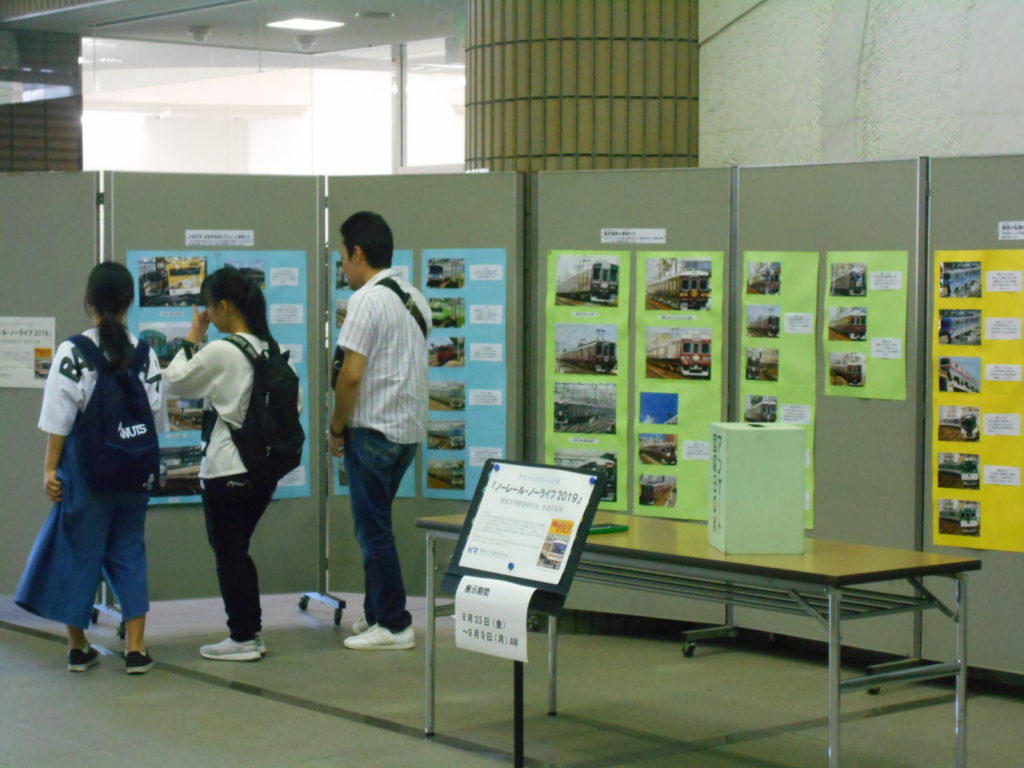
375,466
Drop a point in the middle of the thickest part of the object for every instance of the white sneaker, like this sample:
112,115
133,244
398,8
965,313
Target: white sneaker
378,638
360,625
229,650
260,644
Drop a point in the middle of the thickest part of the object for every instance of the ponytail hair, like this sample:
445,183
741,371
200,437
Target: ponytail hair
231,285
108,294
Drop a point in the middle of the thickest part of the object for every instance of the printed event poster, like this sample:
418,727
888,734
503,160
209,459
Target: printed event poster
466,424
168,285
780,297
586,403
27,345
978,400
342,292
865,327
679,366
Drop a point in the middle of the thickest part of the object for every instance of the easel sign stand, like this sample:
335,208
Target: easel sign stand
518,550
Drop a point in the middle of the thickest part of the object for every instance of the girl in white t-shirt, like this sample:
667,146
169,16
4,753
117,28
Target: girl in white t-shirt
90,533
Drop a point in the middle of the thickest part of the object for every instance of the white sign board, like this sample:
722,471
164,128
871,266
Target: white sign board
27,345
490,617
650,236
220,238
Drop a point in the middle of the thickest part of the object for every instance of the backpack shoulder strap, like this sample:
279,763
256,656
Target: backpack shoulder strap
90,351
407,300
141,357
247,349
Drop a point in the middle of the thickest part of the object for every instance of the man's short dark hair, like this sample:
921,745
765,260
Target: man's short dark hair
371,233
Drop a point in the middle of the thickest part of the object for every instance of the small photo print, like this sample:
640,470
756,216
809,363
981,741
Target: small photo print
959,423
171,281
960,280
959,518
591,461
340,312
657,491
446,351
849,279
658,449
184,413
447,313
586,349
587,408
165,339
762,364
763,321
847,323
847,369
42,358
959,470
960,326
587,280
960,374
447,395
446,475
659,408
179,471
255,270
552,551
446,273
761,409
764,277
679,353
446,435
340,279
680,284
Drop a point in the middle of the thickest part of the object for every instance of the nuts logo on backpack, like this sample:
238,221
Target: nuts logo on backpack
127,433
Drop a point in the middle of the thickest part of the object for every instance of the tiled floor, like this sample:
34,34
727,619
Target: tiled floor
622,702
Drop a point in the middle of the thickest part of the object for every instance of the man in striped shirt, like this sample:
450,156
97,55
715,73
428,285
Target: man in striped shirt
380,415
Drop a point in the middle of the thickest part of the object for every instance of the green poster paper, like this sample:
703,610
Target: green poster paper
866,324
587,365
780,295
679,378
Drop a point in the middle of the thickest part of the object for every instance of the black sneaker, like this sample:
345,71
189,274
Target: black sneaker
138,663
79,660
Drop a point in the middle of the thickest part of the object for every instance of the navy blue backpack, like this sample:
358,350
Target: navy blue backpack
115,435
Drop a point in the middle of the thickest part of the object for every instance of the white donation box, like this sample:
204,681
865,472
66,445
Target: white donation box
757,489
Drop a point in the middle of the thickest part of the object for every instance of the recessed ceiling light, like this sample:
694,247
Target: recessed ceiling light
375,15
306,25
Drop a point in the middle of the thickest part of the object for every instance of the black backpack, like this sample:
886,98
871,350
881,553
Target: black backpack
115,435
271,439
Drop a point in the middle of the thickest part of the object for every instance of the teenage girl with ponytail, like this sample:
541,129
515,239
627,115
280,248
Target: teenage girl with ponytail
233,500
89,533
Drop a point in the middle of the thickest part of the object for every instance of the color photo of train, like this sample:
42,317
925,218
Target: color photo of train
587,280
849,279
762,364
960,326
847,323
588,408
959,518
179,471
847,369
591,461
959,423
446,435
960,374
165,339
761,409
184,413
447,313
446,475
585,348
959,470
960,280
764,277
253,270
678,284
763,321
446,273
446,352
658,449
679,353
447,396
171,280
657,491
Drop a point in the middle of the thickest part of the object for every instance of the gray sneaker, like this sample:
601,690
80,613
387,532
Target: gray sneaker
378,638
260,644
230,650
360,625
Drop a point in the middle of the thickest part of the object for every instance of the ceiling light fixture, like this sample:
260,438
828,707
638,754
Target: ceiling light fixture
306,25
199,33
375,15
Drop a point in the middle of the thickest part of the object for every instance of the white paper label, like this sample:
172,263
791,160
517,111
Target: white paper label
282,277
885,281
294,478
583,314
1002,424
478,455
583,440
622,235
887,349
1011,230
807,500
798,322
1002,372
996,475
789,413
485,397
27,347
486,353
1002,328
220,238
286,314
697,450
295,352
174,313
673,318
486,272
486,314
1002,281
490,617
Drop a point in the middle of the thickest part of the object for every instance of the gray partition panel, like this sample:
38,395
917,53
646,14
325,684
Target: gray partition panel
867,452
48,242
432,211
151,212
969,197
571,208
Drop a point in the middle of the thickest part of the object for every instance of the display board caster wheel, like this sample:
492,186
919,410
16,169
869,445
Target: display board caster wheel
337,617
303,602
689,649
121,630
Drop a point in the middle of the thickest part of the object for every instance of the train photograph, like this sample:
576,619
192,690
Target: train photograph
165,339
849,279
847,369
446,435
591,461
586,408
171,281
761,409
960,374
447,396
847,323
762,364
763,321
959,470
587,280
679,353
959,518
185,413
960,280
179,471
447,313
446,351
657,491
254,270
678,284
659,408
446,273
960,326
658,449
42,358
764,277
585,349
959,423
446,475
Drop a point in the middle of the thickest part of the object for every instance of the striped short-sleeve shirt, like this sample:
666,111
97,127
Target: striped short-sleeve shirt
393,394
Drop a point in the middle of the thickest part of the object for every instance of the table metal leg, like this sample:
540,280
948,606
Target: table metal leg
961,675
552,664
834,615
428,724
